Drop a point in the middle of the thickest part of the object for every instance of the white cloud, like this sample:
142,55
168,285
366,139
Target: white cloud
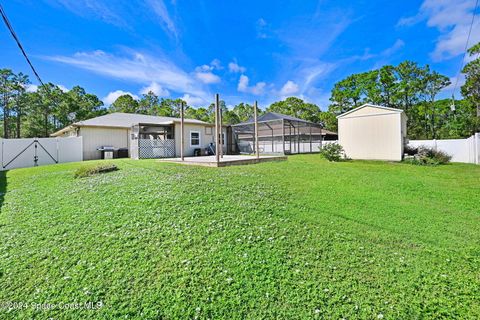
235,67
155,88
243,86
112,96
452,19
262,28
137,67
216,64
193,101
160,10
207,77
204,68
31,88
87,8
243,83
453,81
398,45
289,88
63,88
204,74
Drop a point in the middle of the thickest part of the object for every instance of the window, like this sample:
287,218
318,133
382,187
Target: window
208,130
194,139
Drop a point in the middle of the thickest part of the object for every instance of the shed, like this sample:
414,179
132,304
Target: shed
373,132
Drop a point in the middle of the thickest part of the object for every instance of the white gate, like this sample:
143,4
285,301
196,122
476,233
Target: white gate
31,152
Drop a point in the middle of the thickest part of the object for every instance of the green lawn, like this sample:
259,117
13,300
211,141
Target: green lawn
289,240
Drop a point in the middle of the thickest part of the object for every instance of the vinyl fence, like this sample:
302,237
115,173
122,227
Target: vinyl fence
461,150
22,153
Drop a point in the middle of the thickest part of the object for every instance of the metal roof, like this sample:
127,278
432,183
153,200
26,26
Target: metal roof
272,116
372,106
127,120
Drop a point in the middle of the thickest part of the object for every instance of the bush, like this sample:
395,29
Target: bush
90,170
411,151
428,156
332,152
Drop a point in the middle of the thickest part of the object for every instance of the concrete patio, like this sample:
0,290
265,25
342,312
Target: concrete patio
227,160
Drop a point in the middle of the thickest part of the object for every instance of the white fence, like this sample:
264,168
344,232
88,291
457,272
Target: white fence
22,153
461,150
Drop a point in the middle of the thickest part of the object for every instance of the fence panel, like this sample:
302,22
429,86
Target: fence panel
153,149
461,150
30,152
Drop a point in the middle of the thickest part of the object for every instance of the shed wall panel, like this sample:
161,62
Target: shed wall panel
375,137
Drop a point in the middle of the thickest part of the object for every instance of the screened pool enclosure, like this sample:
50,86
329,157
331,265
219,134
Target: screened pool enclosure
277,134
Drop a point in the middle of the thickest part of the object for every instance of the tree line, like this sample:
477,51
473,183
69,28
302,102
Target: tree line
407,86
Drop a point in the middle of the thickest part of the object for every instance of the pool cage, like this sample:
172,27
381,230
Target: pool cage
277,134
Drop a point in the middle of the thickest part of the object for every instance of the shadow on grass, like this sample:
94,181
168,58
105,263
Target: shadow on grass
3,186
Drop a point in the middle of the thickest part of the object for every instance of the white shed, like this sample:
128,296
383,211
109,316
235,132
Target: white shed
373,133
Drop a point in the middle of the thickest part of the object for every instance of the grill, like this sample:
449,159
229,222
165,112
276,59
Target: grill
107,152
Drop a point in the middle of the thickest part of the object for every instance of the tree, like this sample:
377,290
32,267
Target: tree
199,114
169,108
230,117
6,83
149,104
296,107
18,85
433,84
346,94
125,103
329,119
244,111
409,77
471,88
406,86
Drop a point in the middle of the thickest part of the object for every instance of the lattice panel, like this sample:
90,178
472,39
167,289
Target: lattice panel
152,149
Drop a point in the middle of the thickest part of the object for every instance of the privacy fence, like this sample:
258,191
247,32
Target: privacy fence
461,150
22,153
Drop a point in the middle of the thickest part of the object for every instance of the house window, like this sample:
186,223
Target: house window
208,130
194,139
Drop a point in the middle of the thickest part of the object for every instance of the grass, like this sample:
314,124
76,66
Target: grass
290,240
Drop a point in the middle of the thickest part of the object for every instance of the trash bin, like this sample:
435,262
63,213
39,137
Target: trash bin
122,153
197,152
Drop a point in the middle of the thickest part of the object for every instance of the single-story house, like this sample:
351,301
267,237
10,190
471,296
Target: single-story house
144,136
373,132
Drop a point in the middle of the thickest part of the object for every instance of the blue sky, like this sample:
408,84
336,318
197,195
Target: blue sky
244,50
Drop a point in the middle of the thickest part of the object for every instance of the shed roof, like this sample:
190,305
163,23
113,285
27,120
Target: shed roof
393,110
126,120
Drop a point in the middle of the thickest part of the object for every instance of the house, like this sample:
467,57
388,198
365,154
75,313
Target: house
142,136
373,132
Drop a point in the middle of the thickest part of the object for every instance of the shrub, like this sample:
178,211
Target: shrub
332,152
90,170
428,156
411,151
